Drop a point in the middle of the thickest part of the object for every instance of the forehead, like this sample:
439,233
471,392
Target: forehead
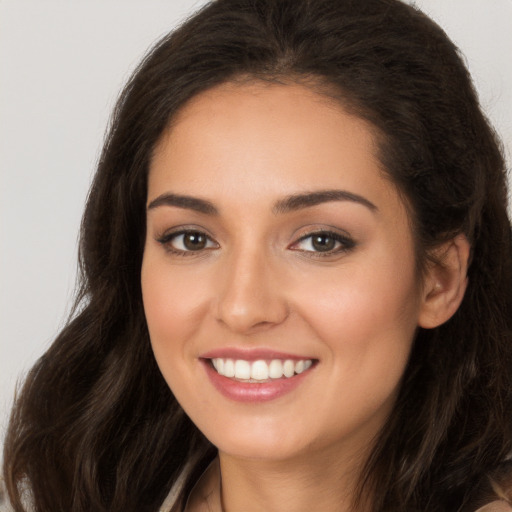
256,138
267,106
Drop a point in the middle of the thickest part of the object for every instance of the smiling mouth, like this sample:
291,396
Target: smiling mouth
260,370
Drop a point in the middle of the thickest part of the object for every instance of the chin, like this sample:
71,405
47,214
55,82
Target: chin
274,444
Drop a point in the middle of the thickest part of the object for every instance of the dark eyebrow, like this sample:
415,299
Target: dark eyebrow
187,202
299,201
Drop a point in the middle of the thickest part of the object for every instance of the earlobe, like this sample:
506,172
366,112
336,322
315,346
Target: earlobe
445,283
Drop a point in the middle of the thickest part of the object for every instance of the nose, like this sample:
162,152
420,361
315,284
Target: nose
251,296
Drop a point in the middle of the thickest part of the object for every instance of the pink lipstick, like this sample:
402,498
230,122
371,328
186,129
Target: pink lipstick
255,375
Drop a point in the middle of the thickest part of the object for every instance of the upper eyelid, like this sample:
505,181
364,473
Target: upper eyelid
167,238
334,234
175,234
327,230
180,230
169,235
337,236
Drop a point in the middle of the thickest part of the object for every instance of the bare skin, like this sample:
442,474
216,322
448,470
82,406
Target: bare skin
246,254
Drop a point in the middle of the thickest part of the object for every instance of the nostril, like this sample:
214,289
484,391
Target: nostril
249,315
249,298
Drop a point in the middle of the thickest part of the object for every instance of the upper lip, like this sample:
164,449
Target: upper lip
251,354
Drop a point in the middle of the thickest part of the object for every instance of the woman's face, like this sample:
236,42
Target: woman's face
278,252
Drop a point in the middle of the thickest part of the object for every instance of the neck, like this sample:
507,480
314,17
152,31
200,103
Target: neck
322,482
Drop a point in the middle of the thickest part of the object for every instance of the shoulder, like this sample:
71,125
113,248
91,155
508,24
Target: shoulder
500,490
496,506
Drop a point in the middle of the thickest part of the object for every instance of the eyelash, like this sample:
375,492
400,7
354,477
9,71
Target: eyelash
344,243
167,239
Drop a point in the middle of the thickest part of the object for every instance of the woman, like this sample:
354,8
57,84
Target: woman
296,280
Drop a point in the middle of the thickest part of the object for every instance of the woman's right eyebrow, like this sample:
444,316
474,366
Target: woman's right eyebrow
187,202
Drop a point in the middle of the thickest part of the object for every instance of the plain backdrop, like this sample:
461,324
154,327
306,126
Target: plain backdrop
62,64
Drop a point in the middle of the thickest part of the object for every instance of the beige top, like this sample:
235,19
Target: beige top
496,506
205,496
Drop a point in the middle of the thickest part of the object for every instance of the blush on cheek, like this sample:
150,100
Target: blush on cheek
368,317
171,303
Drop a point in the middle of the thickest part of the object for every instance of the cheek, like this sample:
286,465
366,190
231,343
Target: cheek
367,327
172,305
367,316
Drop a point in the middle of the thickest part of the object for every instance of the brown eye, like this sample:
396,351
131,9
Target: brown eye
182,242
194,241
323,242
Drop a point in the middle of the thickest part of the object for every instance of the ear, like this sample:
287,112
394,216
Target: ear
445,283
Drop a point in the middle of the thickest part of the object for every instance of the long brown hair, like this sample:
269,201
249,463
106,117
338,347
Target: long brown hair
96,427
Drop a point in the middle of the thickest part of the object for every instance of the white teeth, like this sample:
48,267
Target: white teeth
260,370
288,368
229,368
242,369
275,369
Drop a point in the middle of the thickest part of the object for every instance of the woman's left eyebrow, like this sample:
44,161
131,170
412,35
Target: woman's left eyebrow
309,199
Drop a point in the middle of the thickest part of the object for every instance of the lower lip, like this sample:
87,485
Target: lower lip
253,391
